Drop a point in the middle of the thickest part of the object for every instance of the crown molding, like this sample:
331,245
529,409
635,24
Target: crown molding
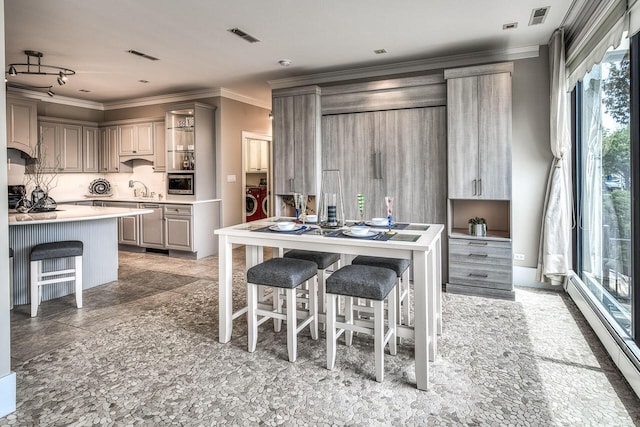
40,96
510,54
139,102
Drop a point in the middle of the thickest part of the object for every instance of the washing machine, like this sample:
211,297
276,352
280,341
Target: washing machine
256,202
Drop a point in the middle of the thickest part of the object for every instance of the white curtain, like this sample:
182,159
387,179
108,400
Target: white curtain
555,238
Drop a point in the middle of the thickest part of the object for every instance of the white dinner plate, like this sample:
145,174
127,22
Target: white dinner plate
372,224
351,234
275,227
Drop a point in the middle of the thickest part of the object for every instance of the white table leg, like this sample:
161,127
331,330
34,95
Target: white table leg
421,280
438,249
225,286
432,304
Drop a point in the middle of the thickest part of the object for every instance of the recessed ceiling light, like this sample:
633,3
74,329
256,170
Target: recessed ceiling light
143,81
85,90
285,62
380,51
510,26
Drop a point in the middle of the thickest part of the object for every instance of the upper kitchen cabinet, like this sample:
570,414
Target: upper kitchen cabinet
257,155
60,148
136,139
191,146
160,156
22,125
479,132
109,157
296,140
90,149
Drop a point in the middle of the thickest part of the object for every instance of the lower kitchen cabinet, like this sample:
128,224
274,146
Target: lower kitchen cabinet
128,228
152,226
179,227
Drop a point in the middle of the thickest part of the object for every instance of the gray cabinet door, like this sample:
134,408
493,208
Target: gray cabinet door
462,125
152,227
296,137
399,153
70,146
283,145
48,151
494,136
179,233
90,149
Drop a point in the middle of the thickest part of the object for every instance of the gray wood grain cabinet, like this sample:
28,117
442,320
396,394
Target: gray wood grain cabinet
479,133
399,153
296,140
179,227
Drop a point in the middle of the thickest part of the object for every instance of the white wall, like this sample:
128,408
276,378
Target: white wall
531,154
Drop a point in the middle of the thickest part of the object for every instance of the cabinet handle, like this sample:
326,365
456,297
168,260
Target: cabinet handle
475,187
478,255
291,184
479,187
476,243
484,276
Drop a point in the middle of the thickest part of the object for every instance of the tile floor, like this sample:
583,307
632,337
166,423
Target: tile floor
144,351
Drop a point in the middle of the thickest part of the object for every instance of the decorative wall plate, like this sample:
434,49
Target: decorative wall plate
100,186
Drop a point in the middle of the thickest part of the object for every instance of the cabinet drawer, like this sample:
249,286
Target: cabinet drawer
489,276
480,249
178,210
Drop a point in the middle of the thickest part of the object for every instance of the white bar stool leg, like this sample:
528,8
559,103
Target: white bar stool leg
313,306
406,304
348,318
34,291
252,317
392,323
331,330
378,338
78,280
292,325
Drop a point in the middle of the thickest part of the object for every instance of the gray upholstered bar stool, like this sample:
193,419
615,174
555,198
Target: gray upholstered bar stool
323,260
11,278
40,278
401,268
287,274
373,284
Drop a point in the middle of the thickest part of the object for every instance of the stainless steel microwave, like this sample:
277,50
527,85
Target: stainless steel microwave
181,183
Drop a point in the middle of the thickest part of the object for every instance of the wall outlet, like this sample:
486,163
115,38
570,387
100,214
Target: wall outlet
518,257
231,178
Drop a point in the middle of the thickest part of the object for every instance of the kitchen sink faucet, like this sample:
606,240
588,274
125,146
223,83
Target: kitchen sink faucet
145,193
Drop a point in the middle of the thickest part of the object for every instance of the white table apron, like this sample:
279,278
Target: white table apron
427,277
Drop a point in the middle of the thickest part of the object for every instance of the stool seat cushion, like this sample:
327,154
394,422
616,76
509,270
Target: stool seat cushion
322,259
398,265
362,281
282,272
64,249
10,252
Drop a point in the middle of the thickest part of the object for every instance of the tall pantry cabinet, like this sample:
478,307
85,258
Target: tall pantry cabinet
479,179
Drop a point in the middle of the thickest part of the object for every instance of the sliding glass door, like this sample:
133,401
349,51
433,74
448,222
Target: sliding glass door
604,165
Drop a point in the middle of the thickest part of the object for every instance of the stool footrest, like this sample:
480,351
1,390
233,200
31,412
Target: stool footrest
59,280
303,324
58,273
354,328
239,313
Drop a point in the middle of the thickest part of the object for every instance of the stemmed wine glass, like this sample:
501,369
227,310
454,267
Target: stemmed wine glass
296,202
360,198
389,202
302,203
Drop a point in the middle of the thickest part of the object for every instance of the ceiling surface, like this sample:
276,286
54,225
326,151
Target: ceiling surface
196,52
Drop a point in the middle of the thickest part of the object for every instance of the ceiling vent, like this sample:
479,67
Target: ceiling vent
142,55
243,35
539,15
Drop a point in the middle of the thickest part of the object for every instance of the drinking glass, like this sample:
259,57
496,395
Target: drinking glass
389,202
303,198
331,209
360,198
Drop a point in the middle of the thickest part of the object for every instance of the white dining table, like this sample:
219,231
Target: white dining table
421,243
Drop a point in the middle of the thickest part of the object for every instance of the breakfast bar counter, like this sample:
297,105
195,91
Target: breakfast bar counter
95,226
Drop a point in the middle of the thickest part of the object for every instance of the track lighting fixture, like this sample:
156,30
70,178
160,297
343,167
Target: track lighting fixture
39,69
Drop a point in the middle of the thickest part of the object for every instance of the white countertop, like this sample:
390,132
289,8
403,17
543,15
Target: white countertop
137,200
71,213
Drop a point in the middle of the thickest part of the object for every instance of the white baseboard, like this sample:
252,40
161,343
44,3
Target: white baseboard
7,394
526,277
622,361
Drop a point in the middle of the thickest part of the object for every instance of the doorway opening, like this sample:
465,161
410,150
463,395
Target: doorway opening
257,177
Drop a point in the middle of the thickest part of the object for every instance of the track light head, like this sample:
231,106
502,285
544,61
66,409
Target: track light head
50,93
12,71
62,79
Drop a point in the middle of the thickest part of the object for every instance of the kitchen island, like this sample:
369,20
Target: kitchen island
95,226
